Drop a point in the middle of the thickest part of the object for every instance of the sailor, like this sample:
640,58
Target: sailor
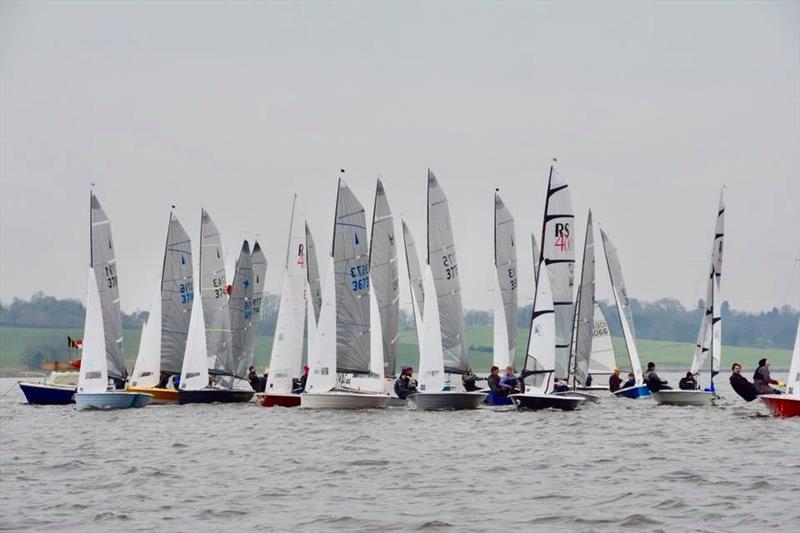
688,383
469,379
739,383
494,382
614,381
631,381
252,377
559,387
405,385
510,383
762,379
301,386
588,382
653,381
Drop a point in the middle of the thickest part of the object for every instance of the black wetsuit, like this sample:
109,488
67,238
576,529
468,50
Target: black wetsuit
687,384
743,388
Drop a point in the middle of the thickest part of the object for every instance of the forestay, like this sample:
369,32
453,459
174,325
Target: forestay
93,375
351,260
444,266
558,253
505,262
177,295
104,264
213,290
240,305
384,277
584,320
540,355
623,305
287,345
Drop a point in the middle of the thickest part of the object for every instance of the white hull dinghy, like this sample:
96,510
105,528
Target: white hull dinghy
342,400
684,397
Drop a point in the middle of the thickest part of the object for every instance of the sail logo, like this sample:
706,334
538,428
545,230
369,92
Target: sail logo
563,242
301,255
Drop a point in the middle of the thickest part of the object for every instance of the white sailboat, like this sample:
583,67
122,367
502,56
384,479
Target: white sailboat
639,390
440,323
787,405
709,339
341,346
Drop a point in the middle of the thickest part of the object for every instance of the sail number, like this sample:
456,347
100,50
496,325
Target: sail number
360,277
186,292
450,266
600,329
219,287
111,276
512,276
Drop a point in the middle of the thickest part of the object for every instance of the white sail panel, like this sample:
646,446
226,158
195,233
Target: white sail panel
213,290
501,356
444,265
104,263
147,370
322,349
384,277
194,372
376,366
558,253
536,256
287,345
240,305
93,375
505,261
793,379
313,276
541,354
602,360
414,275
431,356
584,319
177,295
351,258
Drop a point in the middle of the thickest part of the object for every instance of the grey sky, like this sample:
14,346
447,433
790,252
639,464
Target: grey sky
650,109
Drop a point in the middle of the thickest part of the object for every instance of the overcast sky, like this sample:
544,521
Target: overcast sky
650,109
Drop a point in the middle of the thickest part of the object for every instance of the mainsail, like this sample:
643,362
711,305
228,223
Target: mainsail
93,375
710,334
312,271
383,273
104,264
259,262
558,254
177,294
540,355
213,290
287,345
584,318
240,305
505,262
444,265
603,360
623,305
351,261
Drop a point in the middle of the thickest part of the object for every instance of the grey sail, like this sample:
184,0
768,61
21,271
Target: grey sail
617,281
584,320
558,254
444,265
351,267
213,290
312,271
505,262
536,255
240,305
384,277
414,272
103,260
177,294
259,262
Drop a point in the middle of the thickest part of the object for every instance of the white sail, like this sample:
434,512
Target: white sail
322,351
505,261
375,337
431,356
558,254
147,370
501,355
287,346
584,318
623,304
602,360
414,276
793,379
541,353
194,372
93,376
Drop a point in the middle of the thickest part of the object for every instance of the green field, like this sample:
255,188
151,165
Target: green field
18,347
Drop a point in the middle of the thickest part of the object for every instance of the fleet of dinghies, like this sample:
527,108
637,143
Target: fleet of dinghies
199,349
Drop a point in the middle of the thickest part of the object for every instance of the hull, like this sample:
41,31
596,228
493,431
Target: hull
343,400
535,402
111,400
160,396
448,400
585,395
496,399
214,396
637,391
593,388
683,397
41,394
396,402
782,405
279,400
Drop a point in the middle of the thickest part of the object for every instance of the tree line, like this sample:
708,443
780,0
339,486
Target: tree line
665,319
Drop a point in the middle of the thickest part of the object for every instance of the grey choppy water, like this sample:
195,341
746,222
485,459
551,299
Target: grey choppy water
619,464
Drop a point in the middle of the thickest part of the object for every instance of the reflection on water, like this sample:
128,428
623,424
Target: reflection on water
618,464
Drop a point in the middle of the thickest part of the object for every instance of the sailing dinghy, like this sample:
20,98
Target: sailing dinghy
209,343
786,405
541,354
443,354
287,347
341,344
639,390
710,336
